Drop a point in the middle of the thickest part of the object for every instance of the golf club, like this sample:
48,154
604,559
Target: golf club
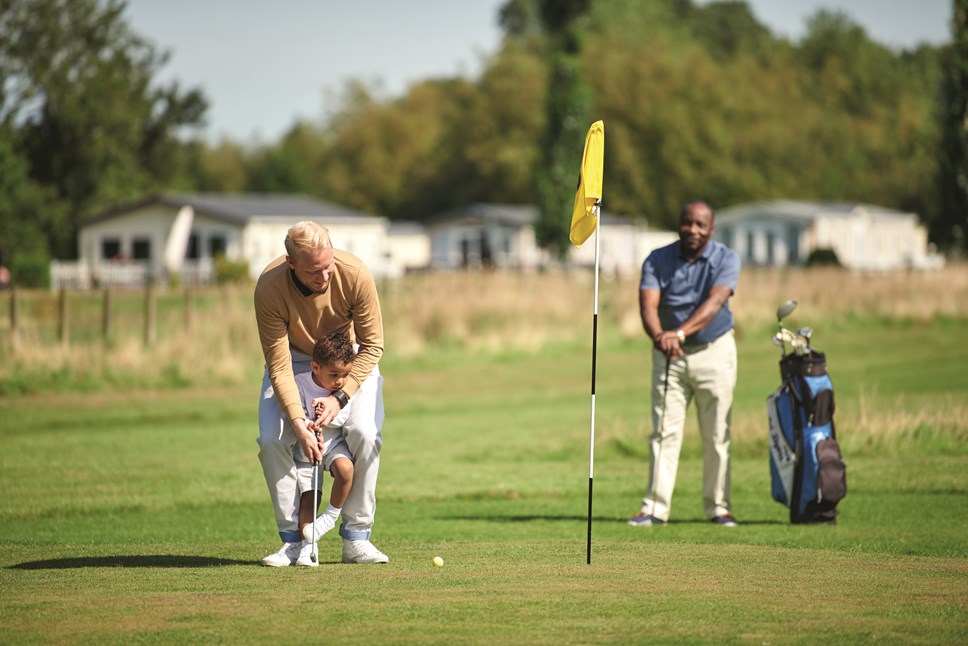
315,549
658,457
783,336
805,333
783,311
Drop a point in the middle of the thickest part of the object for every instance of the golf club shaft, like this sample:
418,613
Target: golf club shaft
661,430
315,503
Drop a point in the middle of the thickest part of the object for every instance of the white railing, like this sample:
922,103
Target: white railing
78,275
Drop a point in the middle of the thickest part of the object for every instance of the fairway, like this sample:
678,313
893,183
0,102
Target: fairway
141,518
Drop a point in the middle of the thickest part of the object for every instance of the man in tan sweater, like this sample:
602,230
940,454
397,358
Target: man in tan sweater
311,291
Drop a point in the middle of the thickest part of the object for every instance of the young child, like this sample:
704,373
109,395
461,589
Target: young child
333,357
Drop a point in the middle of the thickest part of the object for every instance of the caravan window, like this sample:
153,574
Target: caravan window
216,246
192,251
110,249
141,249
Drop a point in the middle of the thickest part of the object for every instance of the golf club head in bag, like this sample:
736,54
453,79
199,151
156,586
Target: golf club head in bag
784,310
805,333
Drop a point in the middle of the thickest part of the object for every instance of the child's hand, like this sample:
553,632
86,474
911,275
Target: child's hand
318,404
326,410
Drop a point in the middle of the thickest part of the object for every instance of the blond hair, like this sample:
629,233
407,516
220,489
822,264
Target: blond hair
307,235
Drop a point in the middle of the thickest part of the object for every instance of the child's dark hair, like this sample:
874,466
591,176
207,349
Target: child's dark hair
335,347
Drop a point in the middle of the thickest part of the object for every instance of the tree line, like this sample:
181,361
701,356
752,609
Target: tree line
699,102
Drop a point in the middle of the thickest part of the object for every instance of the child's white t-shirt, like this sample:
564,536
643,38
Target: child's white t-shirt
334,444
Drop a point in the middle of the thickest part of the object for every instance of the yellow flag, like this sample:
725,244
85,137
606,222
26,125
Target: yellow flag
589,185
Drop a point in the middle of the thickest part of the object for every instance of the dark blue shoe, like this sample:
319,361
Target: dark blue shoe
645,520
726,520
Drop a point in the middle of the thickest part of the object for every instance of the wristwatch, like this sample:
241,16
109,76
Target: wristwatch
341,397
680,335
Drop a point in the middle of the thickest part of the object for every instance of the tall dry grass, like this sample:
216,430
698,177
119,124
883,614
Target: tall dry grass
875,423
217,345
488,311
837,293
524,311
474,312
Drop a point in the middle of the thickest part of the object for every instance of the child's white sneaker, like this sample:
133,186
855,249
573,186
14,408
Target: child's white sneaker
323,524
307,555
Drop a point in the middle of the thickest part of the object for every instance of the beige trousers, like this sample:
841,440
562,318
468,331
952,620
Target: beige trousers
708,375
283,460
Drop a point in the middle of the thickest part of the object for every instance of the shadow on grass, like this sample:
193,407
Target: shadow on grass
159,560
596,519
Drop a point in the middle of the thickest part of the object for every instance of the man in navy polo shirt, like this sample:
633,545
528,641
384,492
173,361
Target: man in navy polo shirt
684,301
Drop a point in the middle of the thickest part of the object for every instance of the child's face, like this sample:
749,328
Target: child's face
331,376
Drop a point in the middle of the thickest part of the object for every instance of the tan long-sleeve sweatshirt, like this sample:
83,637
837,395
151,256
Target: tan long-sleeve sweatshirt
290,316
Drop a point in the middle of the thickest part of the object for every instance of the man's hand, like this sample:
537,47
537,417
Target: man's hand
667,342
309,441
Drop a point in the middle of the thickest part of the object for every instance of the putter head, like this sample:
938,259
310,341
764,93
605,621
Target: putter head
785,309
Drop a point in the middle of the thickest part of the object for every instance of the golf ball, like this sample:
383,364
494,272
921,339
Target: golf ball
438,562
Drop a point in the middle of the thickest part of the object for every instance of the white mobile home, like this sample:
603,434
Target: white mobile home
502,236
864,236
126,245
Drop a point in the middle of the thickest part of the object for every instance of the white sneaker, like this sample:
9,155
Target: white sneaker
323,524
286,556
362,552
307,555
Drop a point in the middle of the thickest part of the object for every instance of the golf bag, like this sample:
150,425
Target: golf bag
806,468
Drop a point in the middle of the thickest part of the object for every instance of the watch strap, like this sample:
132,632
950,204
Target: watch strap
341,397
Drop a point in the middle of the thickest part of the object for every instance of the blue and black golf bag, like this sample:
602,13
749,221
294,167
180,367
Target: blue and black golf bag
806,468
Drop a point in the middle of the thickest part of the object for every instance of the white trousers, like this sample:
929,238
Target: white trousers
708,376
284,465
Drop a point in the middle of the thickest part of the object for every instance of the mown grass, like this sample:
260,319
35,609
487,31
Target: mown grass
138,516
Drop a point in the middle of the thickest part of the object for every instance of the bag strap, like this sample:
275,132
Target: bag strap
797,450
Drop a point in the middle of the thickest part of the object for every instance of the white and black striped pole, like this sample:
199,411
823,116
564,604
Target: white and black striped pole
586,211
591,433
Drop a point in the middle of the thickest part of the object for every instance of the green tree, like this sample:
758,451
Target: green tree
568,105
26,208
503,116
729,27
79,103
289,166
399,158
849,71
223,167
950,227
700,102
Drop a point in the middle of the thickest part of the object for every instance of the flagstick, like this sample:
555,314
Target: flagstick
591,441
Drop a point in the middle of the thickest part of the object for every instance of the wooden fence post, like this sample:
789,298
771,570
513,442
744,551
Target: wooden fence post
106,315
14,317
64,315
189,310
151,331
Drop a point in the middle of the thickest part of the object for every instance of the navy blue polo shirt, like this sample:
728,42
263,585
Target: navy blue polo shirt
684,285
